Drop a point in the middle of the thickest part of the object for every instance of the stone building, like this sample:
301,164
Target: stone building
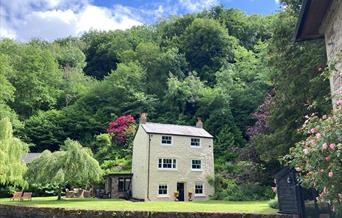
118,185
172,162
323,18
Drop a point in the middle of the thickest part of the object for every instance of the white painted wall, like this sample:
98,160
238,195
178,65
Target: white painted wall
182,151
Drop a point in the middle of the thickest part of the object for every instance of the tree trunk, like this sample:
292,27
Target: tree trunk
59,197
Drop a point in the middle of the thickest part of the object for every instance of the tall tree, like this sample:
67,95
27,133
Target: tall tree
72,165
158,64
300,88
207,46
11,151
36,77
7,90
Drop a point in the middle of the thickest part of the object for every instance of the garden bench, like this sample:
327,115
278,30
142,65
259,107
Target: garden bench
27,195
16,195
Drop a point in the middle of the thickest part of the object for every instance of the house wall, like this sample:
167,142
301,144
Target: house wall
139,164
332,29
182,151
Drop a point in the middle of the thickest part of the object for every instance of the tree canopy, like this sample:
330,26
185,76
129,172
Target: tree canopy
73,165
12,150
242,74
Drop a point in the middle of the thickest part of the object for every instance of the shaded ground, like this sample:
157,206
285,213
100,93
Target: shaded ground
116,204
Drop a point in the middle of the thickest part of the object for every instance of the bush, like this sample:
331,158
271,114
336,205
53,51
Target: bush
273,203
43,190
6,191
318,158
228,189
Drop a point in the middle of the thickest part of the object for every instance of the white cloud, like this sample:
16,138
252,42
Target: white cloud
58,18
198,5
98,18
6,32
277,1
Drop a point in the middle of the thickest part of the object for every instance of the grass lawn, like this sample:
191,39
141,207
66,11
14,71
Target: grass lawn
116,204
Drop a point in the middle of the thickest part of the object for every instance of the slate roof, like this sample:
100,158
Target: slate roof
29,157
172,129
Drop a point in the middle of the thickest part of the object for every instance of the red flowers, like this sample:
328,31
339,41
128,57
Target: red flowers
118,128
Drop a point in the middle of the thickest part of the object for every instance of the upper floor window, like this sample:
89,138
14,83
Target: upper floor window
199,189
167,163
196,164
166,140
195,142
162,190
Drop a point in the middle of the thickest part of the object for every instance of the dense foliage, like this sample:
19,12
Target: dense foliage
73,165
242,74
318,157
11,151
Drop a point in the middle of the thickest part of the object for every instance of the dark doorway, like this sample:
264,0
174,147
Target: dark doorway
180,189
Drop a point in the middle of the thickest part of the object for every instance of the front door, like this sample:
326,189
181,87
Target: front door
180,189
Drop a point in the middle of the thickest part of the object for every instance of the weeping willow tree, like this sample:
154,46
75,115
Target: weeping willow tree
73,165
12,149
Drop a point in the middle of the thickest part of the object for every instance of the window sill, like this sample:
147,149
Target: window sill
200,195
167,169
163,196
197,170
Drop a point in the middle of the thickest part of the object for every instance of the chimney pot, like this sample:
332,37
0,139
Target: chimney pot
143,118
199,123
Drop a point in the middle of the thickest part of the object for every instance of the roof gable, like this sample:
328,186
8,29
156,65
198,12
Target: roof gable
172,129
310,19
29,157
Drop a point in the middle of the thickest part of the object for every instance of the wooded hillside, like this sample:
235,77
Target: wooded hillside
242,74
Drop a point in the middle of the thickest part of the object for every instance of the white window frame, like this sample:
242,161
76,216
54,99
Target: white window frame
166,144
203,189
173,163
195,146
167,190
197,169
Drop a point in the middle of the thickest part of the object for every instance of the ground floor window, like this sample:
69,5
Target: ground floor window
199,190
124,184
162,189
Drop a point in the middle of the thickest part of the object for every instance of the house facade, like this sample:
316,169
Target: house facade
172,162
318,19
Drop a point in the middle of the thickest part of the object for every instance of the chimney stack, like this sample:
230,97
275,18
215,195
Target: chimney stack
199,123
143,118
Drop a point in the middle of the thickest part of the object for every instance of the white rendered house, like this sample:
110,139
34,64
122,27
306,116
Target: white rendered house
171,158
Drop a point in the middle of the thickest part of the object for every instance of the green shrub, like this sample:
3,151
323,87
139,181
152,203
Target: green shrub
43,190
227,189
6,191
273,203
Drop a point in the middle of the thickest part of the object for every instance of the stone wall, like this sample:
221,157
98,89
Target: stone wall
332,29
11,211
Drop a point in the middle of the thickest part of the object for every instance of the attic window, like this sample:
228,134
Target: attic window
166,140
195,142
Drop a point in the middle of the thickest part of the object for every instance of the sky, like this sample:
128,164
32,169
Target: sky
23,20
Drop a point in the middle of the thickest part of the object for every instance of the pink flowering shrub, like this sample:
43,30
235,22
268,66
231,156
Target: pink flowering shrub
121,129
318,158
